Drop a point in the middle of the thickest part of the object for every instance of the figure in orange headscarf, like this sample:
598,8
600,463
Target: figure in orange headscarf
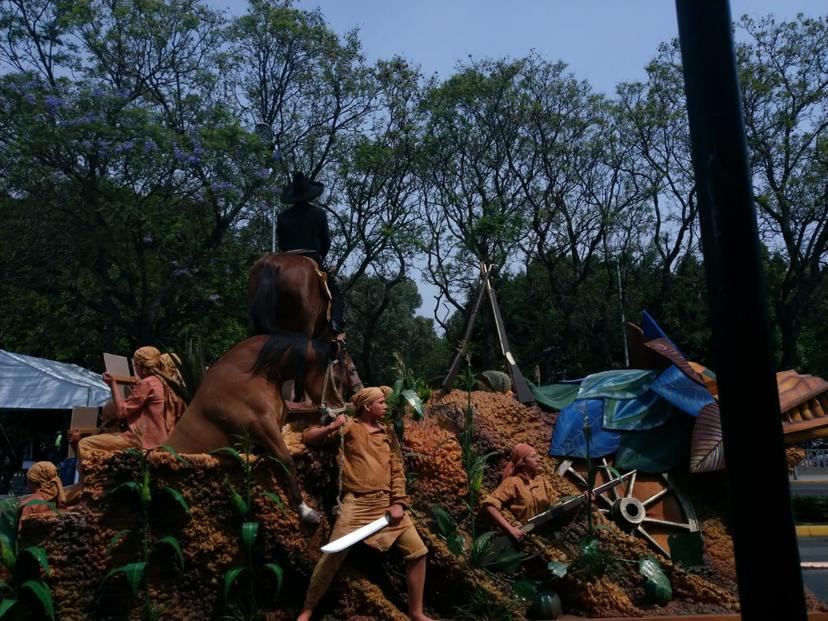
523,491
47,490
373,483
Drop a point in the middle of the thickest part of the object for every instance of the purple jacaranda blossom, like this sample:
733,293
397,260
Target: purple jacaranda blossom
193,159
219,186
87,144
124,93
30,98
262,173
97,93
150,146
177,153
124,147
53,103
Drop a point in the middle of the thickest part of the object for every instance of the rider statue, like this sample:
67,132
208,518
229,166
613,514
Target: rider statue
303,228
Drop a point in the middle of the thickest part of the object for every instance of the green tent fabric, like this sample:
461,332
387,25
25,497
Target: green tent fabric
657,450
554,396
621,384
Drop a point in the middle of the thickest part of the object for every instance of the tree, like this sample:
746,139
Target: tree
784,80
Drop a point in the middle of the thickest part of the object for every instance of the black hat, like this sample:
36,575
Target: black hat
301,189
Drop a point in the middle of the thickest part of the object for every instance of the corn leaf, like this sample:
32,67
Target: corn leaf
5,606
43,595
133,572
177,497
7,556
229,450
172,542
250,530
179,458
230,578
4,586
276,570
238,502
132,486
39,555
116,539
276,499
413,399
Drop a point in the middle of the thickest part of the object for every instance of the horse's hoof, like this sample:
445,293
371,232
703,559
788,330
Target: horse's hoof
308,515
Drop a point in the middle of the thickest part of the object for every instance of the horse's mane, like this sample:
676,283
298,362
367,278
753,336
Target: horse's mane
283,357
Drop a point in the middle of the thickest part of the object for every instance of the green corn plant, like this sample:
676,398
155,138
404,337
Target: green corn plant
147,494
241,585
473,463
484,555
408,392
24,569
447,530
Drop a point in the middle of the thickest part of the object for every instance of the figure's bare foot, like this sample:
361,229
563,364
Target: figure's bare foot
305,615
419,617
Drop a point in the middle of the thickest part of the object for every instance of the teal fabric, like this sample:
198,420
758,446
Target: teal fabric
555,396
645,412
624,384
657,450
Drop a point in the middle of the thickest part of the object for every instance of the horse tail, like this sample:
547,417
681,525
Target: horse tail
263,301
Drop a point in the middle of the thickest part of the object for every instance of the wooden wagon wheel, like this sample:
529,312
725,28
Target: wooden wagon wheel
649,505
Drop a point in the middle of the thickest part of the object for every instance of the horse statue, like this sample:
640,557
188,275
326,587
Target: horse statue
290,339
241,395
288,292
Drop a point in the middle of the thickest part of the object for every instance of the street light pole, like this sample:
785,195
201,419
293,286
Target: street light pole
265,132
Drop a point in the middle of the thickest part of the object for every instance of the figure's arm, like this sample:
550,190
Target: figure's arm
316,436
494,503
501,521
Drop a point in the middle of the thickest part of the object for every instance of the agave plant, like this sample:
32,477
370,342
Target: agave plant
147,494
25,570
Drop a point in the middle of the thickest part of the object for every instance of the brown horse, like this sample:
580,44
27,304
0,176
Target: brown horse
288,294
241,396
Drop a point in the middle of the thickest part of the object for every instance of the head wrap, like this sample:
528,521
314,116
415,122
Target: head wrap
44,475
169,366
148,357
165,368
519,453
367,396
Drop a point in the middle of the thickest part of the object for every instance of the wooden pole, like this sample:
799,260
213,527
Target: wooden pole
764,538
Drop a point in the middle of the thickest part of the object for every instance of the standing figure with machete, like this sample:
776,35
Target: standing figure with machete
373,499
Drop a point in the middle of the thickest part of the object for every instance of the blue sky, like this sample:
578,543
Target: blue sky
603,41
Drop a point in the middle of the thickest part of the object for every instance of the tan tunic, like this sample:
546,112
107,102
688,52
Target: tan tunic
524,498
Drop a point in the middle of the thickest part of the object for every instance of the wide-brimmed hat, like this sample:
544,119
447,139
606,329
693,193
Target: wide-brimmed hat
301,189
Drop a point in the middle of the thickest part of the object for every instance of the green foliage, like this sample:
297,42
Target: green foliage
657,587
25,570
480,606
405,397
245,589
447,530
148,494
484,555
473,463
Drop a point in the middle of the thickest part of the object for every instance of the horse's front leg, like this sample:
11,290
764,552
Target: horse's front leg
268,434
